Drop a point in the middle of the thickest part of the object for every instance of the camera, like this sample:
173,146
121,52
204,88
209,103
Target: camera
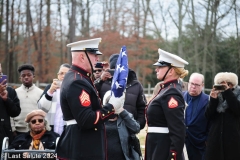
111,71
219,87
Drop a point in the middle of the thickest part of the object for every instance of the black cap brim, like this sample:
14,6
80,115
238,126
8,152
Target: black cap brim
162,64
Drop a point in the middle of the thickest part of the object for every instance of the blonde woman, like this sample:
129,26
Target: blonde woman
165,112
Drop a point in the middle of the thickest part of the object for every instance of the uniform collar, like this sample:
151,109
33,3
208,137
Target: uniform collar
81,71
166,84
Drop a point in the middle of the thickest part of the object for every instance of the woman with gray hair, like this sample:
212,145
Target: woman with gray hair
39,136
224,113
49,101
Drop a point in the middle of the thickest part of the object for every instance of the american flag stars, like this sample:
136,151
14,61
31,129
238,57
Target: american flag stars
121,73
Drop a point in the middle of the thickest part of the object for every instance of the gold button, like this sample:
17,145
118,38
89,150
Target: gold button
87,74
173,154
95,129
103,115
172,159
108,112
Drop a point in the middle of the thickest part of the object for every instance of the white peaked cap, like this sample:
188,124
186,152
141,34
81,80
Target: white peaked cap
90,45
169,59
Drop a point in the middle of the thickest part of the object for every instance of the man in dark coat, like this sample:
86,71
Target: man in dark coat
84,136
135,101
9,107
197,124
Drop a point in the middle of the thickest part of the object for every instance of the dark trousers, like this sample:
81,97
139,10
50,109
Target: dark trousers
193,152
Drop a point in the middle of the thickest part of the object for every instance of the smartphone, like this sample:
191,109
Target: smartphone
219,87
111,71
2,78
59,83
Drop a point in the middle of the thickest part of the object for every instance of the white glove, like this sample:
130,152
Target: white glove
117,103
106,97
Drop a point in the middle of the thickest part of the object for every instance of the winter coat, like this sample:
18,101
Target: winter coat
135,100
23,142
8,108
126,126
224,136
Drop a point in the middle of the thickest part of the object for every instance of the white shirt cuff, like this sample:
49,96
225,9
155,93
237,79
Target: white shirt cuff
49,93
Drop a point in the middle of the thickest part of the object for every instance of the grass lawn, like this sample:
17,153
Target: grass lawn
142,136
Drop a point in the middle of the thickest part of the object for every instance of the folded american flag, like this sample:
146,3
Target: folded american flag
119,81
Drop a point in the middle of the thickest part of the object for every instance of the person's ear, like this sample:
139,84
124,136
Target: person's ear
33,76
81,57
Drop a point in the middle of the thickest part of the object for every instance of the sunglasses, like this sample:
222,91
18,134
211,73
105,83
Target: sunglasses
35,121
97,70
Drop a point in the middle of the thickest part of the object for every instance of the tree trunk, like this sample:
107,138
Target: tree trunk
87,32
47,34
237,39
28,33
15,64
6,39
195,38
72,26
40,73
205,41
1,19
61,32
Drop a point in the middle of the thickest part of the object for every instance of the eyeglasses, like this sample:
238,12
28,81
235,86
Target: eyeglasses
35,121
194,84
97,70
61,73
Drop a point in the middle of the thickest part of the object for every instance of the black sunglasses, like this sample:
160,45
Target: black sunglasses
35,121
97,70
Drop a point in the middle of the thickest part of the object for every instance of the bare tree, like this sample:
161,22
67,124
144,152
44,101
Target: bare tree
47,36
61,32
28,32
236,9
6,38
179,24
195,37
16,42
40,72
72,25
1,19
11,46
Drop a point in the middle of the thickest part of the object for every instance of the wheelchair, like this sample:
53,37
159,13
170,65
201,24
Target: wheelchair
31,154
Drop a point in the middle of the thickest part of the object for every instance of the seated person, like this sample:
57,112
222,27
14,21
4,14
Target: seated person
39,136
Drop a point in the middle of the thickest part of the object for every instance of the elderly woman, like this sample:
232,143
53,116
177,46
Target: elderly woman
165,112
49,101
224,112
39,137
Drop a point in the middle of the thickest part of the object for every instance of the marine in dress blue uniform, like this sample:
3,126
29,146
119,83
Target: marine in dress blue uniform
165,112
84,136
